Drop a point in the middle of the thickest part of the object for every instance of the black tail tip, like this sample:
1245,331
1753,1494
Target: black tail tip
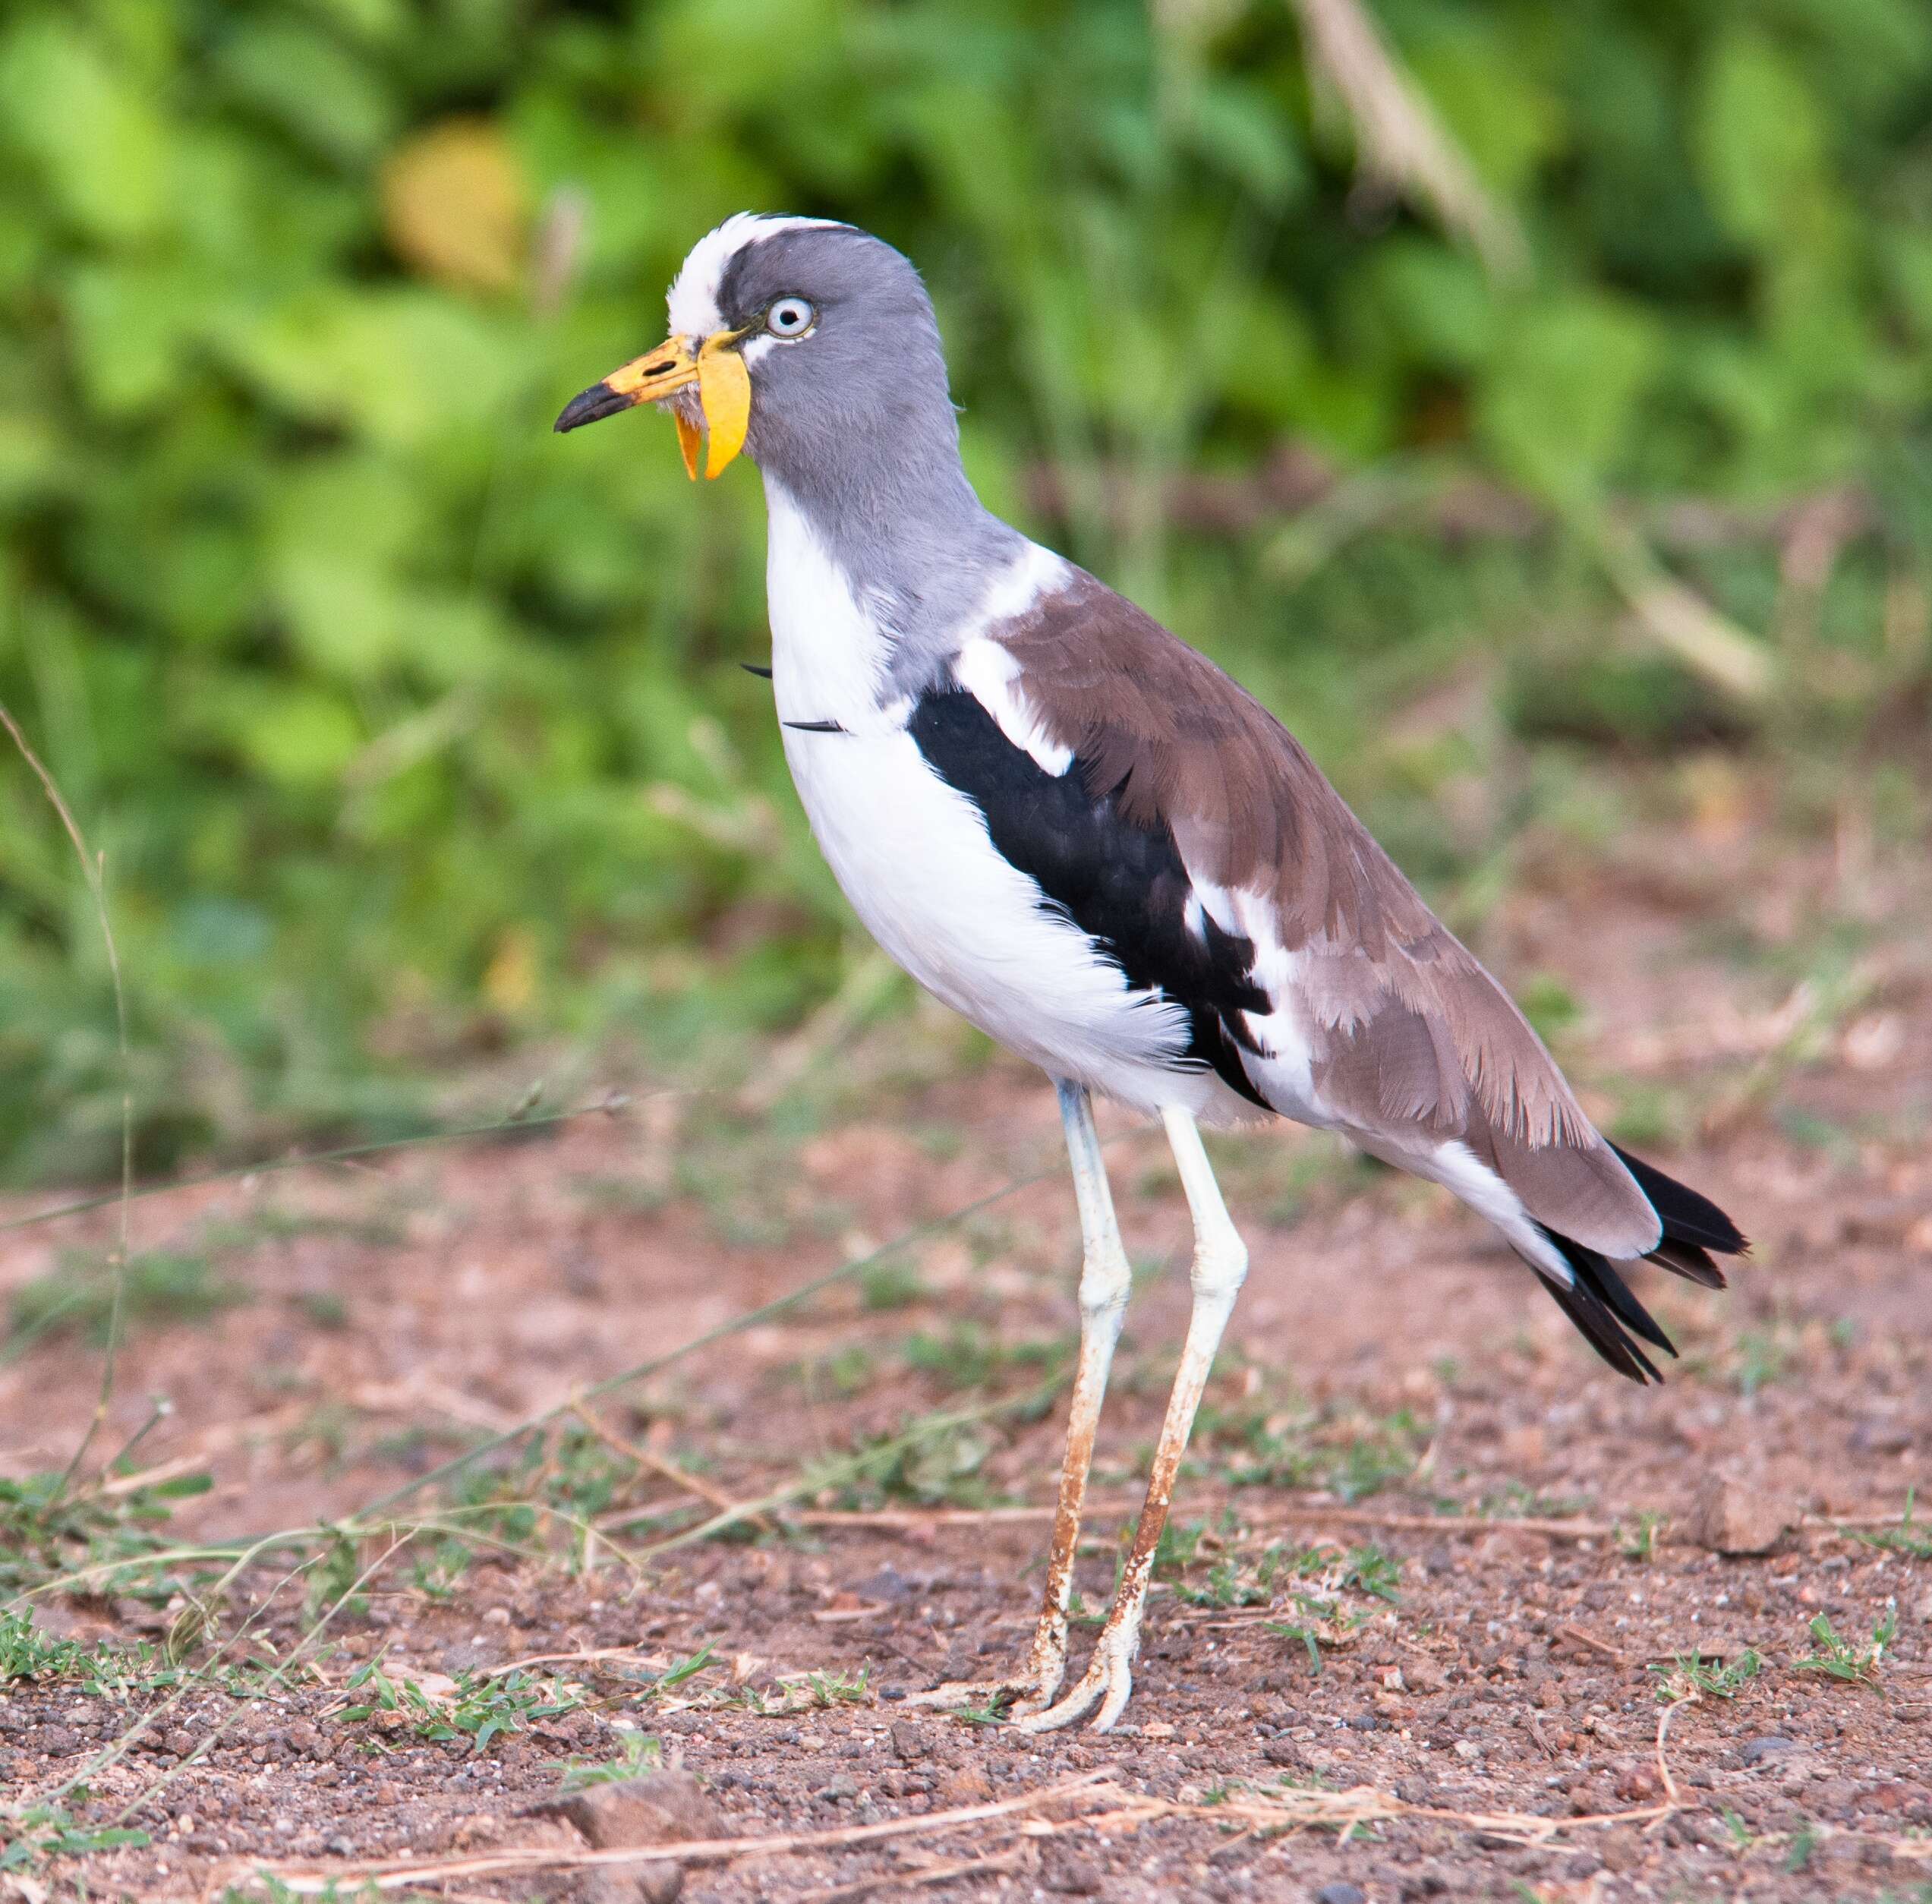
1599,1302
1688,1216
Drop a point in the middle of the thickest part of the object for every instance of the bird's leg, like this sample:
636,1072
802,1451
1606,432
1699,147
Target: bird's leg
1105,1280
1221,1266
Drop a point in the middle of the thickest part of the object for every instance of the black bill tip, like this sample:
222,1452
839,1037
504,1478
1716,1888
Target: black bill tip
590,406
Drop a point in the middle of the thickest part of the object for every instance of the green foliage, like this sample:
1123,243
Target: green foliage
406,728
28,1652
161,1286
942,1468
51,1526
106,1670
482,1708
1354,1455
1692,1675
1912,1537
31,1837
1839,1658
638,1753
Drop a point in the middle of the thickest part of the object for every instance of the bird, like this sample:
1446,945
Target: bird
1080,833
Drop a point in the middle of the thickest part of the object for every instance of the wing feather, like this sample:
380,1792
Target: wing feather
1413,1042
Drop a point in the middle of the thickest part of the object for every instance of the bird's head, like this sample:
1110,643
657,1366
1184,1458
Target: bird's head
805,341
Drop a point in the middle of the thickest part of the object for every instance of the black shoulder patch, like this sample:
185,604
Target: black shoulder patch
1122,884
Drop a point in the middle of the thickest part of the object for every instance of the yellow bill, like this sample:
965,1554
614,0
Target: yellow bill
724,395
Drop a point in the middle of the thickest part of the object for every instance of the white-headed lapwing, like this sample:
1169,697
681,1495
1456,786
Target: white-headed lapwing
1082,836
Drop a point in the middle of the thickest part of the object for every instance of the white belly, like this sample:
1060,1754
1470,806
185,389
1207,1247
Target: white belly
913,856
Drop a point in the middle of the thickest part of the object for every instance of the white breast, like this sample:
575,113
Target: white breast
913,856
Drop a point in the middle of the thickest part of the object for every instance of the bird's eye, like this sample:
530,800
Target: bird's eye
789,317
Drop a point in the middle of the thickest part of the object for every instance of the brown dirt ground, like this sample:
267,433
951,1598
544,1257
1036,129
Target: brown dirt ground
1772,1009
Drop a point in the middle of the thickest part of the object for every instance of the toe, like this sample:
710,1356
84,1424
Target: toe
1119,1687
1073,1707
963,1692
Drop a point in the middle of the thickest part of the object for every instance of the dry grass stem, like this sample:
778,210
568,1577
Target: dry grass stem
666,1469
1400,139
1703,638
891,1517
1345,1517
1577,1637
943,1873
399,1875
93,870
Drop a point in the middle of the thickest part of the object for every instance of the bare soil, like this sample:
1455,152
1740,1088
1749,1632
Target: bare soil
1401,1410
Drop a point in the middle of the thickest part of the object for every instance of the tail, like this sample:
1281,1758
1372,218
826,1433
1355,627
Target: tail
1599,1301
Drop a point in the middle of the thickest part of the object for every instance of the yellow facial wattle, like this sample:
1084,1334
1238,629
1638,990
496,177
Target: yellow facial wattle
724,389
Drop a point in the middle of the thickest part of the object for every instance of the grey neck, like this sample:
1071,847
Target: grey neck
916,545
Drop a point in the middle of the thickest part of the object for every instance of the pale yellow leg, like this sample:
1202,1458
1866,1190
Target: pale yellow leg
1105,1280
1221,1266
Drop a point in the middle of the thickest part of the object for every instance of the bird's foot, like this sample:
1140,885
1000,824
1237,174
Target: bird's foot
1108,1680
983,1698
1030,1690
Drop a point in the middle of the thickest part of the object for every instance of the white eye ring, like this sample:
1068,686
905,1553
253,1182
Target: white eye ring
790,317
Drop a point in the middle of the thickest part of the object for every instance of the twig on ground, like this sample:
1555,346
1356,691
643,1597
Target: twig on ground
1346,1517
1107,1808
1011,1859
1577,1637
891,1517
399,1875
116,1485
852,1465
1663,1764
1394,1520
585,1658
665,1468
683,1501
607,1106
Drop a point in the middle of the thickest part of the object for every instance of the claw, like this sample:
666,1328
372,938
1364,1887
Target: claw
1108,1680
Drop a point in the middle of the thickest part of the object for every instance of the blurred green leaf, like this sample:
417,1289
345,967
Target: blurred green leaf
310,85
1760,138
100,145
1562,394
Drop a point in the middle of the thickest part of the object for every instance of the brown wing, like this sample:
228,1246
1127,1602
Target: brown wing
1413,1042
